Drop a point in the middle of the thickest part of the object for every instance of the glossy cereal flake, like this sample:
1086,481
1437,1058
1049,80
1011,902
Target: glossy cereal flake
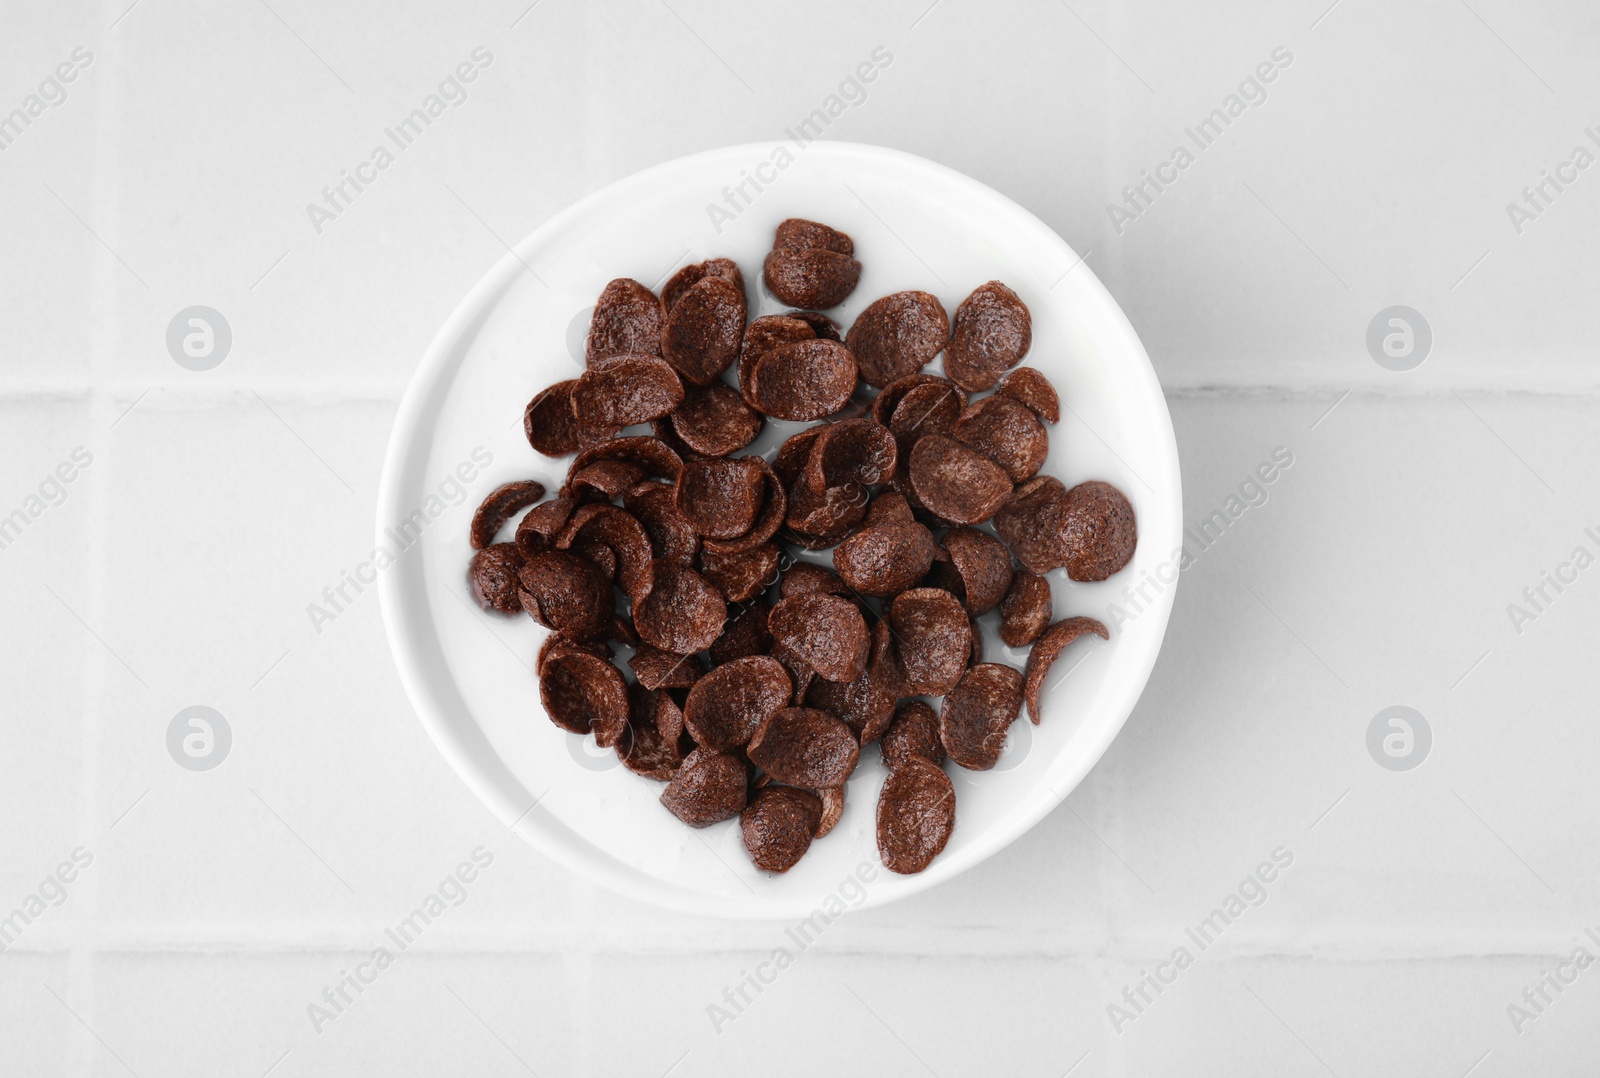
626,320
1047,649
724,708
977,713
708,788
811,278
700,337
898,335
826,631
804,746
778,826
498,507
916,815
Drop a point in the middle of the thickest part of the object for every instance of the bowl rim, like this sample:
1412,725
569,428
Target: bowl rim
492,780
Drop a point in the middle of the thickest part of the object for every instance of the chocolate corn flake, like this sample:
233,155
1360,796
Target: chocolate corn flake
885,560
626,321
826,516
689,276
778,826
622,629
913,732
1098,531
492,577
888,398
648,452
1030,523
549,422
603,557
1090,529
932,637
804,746
715,421
498,507
825,631
672,538
682,614
955,482
890,507
657,669
992,329
795,453
604,480
1007,432
774,507
627,389
807,541
1033,389
802,381
540,525
968,375
1047,649
603,526
725,707
745,634
762,336
862,704
983,565
811,278
916,815
825,327
566,592
556,644
800,673
583,692
898,335
883,662
802,235
708,787
741,576
977,713
662,428
650,744
929,408
721,497
805,578
1026,609
702,333
832,808
860,451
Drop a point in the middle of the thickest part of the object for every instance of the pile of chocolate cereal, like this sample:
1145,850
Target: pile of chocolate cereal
758,679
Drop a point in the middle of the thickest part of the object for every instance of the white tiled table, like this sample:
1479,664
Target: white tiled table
177,566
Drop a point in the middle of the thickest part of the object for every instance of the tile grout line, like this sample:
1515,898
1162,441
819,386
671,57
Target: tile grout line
82,961
104,308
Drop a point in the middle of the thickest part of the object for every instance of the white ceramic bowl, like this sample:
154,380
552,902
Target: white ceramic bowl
916,225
